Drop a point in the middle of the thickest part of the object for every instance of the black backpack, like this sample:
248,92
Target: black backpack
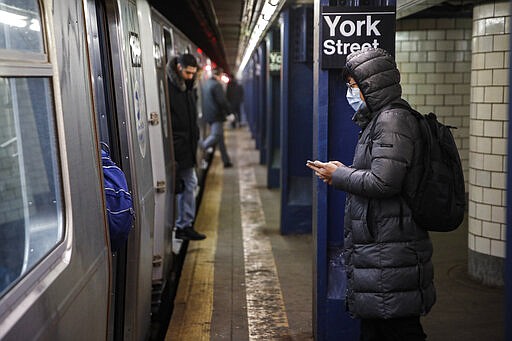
440,199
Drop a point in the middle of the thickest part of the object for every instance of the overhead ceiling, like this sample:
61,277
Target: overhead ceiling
229,16
222,27
213,25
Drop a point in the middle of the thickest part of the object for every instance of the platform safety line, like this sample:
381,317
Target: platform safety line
266,313
193,305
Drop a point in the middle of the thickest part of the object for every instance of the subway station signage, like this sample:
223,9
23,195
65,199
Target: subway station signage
349,29
275,62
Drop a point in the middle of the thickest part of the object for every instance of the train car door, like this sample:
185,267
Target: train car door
161,149
125,42
121,109
170,165
108,132
156,122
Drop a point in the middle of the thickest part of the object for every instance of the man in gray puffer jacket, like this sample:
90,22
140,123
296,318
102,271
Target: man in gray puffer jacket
388,257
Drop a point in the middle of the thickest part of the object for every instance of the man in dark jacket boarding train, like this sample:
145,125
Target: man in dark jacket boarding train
388,257
181,73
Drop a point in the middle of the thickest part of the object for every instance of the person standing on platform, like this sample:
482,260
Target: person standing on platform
215,111
183,98
387,256
235,96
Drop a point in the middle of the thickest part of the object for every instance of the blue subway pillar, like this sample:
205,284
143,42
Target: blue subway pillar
262,99
273,104
251,94
296,118
334,138
256,104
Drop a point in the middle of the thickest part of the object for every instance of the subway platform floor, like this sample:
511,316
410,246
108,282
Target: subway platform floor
248,282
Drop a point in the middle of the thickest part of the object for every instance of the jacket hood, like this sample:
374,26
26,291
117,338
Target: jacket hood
176,80
377,76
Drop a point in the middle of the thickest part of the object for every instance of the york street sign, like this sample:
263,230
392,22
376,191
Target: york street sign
349,29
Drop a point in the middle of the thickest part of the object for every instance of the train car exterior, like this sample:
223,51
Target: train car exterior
54,235
74,74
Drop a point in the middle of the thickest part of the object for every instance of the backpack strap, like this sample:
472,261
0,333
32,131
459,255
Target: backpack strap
105,148
396,104
400,104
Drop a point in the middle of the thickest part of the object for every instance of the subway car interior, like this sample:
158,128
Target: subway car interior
272,257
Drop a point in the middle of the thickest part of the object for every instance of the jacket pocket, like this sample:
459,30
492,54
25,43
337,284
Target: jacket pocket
358,212
370,222
360,232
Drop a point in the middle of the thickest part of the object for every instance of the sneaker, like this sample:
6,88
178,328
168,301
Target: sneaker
188,233
203,164
203,148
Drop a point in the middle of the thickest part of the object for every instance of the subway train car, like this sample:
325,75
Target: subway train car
74,74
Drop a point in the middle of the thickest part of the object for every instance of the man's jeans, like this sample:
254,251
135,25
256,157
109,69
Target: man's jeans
186,200
217,137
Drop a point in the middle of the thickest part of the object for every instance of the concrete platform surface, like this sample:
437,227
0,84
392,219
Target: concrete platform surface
221,306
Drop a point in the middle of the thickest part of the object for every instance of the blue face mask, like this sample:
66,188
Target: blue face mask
354,98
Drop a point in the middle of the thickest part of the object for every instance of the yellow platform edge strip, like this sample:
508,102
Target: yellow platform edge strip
193,305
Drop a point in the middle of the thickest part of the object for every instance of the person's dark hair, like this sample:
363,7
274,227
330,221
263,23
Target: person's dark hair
345,73
187,59
217,71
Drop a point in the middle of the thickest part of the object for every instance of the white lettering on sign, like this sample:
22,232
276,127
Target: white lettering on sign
347,28
338,47
275,57
275,61
135,49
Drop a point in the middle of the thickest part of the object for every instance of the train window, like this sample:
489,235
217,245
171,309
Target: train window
20,26
169,45
31,206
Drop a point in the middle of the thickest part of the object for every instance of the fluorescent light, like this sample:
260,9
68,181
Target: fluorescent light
35,25
268,10
12,19
16,20
267,14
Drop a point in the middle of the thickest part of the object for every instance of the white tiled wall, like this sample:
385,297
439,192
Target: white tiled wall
488,128
434,59
458,68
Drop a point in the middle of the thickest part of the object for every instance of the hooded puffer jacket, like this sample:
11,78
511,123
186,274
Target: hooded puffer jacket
388,257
